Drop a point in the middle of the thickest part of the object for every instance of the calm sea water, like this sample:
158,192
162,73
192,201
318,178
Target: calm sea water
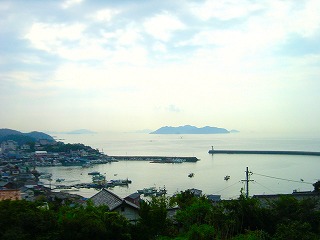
283,174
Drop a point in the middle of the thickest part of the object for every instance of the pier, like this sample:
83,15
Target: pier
158,159
270,152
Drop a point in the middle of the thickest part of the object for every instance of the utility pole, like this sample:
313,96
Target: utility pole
247,181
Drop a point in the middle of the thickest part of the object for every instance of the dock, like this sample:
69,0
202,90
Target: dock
270,152
155,159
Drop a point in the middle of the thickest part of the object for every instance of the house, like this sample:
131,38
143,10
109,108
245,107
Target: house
27,194
10,194
116,204
6,185
214,198
134,198
25,147
9,145
196,192
266,199
44,142
41,153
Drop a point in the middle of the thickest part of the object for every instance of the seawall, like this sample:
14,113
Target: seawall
271,152
153,158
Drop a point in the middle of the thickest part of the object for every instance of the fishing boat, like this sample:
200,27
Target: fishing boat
119,182
99,179
148,191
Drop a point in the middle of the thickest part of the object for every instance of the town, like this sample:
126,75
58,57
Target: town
19,177
20,180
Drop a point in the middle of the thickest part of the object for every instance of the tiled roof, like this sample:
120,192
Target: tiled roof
105,197
11,194
133,195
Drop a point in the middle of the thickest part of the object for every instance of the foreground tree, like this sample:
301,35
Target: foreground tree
27,220
89,222
153,219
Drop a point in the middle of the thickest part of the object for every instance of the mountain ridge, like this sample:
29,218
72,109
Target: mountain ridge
10,134
189,129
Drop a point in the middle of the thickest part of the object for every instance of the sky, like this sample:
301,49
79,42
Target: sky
126,65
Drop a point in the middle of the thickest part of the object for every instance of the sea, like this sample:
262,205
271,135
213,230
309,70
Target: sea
269,174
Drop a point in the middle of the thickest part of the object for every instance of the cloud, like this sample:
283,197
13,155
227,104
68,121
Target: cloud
232,57
51,37
69,3
104,15
162,26
130,35
173,108
224,10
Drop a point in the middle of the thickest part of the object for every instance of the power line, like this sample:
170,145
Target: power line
227,187
284,179
264,187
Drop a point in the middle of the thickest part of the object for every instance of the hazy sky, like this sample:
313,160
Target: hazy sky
132,65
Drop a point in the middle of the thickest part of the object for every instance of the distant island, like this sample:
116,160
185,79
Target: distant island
81,131
188,129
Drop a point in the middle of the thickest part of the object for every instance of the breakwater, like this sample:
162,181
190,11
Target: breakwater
157,159
271,152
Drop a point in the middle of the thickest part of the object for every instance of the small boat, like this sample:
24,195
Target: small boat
148,191
227,177
119,182
63,187
98,178
191,175
45,176
94,173
161,191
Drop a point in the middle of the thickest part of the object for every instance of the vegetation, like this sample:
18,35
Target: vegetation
22,138
62,147
196,219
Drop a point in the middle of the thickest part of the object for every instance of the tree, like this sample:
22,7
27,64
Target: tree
316,186
92,222
199,212
26,220
153,218
288,209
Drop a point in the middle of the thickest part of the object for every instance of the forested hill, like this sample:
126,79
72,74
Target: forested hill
9,134
188,129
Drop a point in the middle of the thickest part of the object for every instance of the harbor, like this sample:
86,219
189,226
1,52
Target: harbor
98,182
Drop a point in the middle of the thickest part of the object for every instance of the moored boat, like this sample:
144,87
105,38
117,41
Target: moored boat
45,176
119,182
148,191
